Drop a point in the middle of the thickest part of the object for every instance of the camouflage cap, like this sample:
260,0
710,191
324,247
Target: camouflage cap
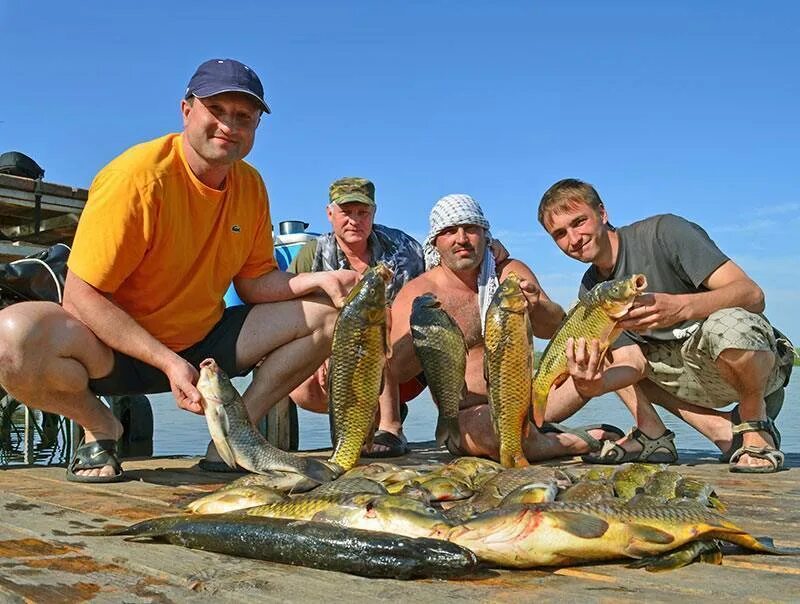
352,189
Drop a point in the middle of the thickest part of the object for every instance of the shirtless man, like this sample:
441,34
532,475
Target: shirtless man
463,275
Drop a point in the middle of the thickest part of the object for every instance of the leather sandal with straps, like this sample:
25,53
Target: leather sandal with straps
771,454
654,450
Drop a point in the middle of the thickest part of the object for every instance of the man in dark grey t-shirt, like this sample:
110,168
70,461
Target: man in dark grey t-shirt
694,343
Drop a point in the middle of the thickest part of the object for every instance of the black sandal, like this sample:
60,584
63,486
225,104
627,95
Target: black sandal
93,455
654,450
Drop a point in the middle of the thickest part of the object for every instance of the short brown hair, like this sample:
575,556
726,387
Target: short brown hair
567,192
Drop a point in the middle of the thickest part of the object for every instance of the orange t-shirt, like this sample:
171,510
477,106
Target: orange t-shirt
166,246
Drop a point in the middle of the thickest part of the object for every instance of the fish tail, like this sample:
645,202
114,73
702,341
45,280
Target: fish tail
447,429
510,458
745,540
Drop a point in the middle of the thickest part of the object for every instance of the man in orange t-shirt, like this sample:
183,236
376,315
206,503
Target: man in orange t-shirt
167,226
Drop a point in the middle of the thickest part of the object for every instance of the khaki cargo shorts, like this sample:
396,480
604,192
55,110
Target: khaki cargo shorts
686,368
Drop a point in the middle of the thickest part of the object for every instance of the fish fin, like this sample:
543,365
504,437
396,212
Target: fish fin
224,447
447,429
701,551
585,526
387,333
319,471
650,534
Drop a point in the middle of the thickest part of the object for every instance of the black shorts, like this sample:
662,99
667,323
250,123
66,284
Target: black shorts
132,376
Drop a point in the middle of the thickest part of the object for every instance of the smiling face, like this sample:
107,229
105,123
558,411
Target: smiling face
220,129
351,222
579,230
461,247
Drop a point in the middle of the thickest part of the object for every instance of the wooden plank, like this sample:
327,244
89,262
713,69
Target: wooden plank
58,227
41,513
279,424
21,184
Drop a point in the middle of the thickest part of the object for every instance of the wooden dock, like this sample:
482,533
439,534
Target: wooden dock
43,562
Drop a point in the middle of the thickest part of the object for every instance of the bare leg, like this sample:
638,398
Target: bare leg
748,372
292,339
47,360
645,417
478,438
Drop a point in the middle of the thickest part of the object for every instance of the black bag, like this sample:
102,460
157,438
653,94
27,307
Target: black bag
40,276
19,164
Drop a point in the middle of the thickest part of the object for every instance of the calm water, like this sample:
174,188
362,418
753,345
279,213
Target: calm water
180,433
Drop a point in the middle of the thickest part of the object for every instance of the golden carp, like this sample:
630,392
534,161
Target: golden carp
499,486
228,500
360,347
305,507
508,361
441,350
285,482
350,486
537,492
630,477
235,437
561,534
389,513
594,317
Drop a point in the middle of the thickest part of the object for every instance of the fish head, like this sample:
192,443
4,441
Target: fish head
368,297
423,303
509,296
215,386
616,297
405,516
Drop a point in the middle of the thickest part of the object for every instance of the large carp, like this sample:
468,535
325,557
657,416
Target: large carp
596,315
508,361
441,350
311,544
235,437
360,347
562,534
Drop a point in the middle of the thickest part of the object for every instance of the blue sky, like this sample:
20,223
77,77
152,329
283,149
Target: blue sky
683,106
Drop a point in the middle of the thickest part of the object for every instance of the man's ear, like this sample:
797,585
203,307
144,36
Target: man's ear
603,214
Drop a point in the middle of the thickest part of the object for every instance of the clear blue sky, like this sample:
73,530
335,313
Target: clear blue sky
683,106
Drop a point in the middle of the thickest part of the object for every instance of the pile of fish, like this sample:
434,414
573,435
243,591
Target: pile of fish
384,520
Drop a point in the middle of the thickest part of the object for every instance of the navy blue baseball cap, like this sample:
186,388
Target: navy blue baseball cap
226,75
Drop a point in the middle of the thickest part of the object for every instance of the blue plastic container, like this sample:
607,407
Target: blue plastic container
292,237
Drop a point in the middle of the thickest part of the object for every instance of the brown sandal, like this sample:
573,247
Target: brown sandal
654,450
772,454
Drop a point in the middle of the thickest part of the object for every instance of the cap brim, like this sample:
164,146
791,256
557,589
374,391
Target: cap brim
354,198
203,94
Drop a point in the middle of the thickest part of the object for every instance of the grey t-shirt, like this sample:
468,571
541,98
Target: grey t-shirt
674,254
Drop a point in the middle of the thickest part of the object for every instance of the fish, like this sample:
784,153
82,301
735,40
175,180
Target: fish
500,485
475,471
388,513
508,363
444,488
630,477
587,491
235,437
440,347
359,351
310,544
596,315
563,534
702,551
671,487
350,486
285,482
228,500
306,506
532,493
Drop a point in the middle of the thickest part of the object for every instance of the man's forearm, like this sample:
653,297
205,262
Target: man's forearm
112,325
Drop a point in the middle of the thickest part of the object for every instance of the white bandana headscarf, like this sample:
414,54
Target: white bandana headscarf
453,210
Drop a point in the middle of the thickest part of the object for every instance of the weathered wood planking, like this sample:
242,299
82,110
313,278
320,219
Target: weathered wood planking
43,562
